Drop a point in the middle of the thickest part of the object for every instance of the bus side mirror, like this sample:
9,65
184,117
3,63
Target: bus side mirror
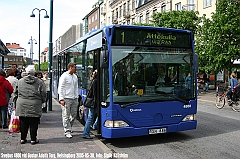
104,59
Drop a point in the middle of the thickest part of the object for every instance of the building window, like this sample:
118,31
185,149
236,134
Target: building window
163,8
124,8
133,4
178,6
5,59
190,5
96,16
141,19
128,6
154,10
117,13
92,19
147,18
128,22
133,20
120,11
207,3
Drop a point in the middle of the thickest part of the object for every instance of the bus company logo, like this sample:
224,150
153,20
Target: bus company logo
176,115
135,110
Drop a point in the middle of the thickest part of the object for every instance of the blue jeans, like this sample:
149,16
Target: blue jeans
229,94
4,110
91,114
95,125
205,88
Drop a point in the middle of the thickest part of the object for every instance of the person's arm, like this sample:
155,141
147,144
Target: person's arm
9,87
61,88
43,91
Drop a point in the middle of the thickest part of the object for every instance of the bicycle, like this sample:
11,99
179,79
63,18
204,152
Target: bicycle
221,99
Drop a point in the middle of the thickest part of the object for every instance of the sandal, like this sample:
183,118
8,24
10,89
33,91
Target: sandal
23,141
35,142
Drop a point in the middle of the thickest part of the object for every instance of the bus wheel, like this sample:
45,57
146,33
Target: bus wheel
80,115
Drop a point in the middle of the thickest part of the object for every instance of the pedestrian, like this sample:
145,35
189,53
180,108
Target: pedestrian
188,81
23,74
29,96
13,80
6,90
206,82
92,111
17,72
46,81
38,74
68,97
233,83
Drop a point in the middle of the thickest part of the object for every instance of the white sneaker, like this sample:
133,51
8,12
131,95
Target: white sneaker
68,136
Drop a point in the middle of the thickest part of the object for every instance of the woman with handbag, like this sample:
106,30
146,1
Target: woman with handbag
91,113
29,96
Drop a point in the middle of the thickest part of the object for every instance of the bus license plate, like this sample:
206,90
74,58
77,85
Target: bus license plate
157,131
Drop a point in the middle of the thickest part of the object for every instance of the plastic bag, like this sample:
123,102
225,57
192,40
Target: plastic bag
14,124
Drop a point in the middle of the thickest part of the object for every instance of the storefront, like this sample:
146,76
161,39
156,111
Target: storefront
3,51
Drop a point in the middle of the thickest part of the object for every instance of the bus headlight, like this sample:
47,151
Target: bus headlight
189,117
115,123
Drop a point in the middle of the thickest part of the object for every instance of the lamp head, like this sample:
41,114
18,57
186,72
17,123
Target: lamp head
32,15
46,16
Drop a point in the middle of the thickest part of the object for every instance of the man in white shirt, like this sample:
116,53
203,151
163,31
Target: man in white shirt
68,97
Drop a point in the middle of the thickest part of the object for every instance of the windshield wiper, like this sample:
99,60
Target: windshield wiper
172,96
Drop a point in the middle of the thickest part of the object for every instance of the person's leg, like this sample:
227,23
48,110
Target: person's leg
33,122
73,111
95,125
66,116
207,86
4,110
86,131
24,124
229,95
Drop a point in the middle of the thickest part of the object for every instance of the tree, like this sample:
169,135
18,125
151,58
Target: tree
44,66
187,20
218,43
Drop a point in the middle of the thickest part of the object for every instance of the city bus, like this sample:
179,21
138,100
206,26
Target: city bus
146,78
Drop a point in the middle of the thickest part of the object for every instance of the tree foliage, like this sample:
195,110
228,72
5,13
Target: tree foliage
44,66
187,20
218,40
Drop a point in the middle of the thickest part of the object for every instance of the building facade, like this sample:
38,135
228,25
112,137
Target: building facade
16,56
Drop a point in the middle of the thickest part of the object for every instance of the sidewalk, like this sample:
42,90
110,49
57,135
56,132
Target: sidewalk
53,143
209,96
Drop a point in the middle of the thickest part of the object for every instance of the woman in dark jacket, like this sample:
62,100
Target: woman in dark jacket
30,94
91,112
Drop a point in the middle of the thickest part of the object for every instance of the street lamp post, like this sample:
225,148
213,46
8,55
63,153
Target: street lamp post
46,16
31,48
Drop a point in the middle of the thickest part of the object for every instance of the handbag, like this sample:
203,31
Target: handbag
14,124
89,102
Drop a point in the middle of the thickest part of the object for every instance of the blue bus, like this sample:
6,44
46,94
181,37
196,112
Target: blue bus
146,78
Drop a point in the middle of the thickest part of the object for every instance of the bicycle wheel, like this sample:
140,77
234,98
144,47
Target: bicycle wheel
220,102
235,107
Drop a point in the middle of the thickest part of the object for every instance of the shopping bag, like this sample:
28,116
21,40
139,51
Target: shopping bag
14,124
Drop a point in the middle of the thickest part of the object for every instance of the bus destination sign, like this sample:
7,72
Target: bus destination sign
147,37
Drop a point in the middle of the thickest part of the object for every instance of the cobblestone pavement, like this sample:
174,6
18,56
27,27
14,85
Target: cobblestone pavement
53,143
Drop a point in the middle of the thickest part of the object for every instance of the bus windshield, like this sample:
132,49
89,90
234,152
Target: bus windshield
145,74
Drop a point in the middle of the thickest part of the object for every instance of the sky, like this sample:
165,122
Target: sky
16,25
